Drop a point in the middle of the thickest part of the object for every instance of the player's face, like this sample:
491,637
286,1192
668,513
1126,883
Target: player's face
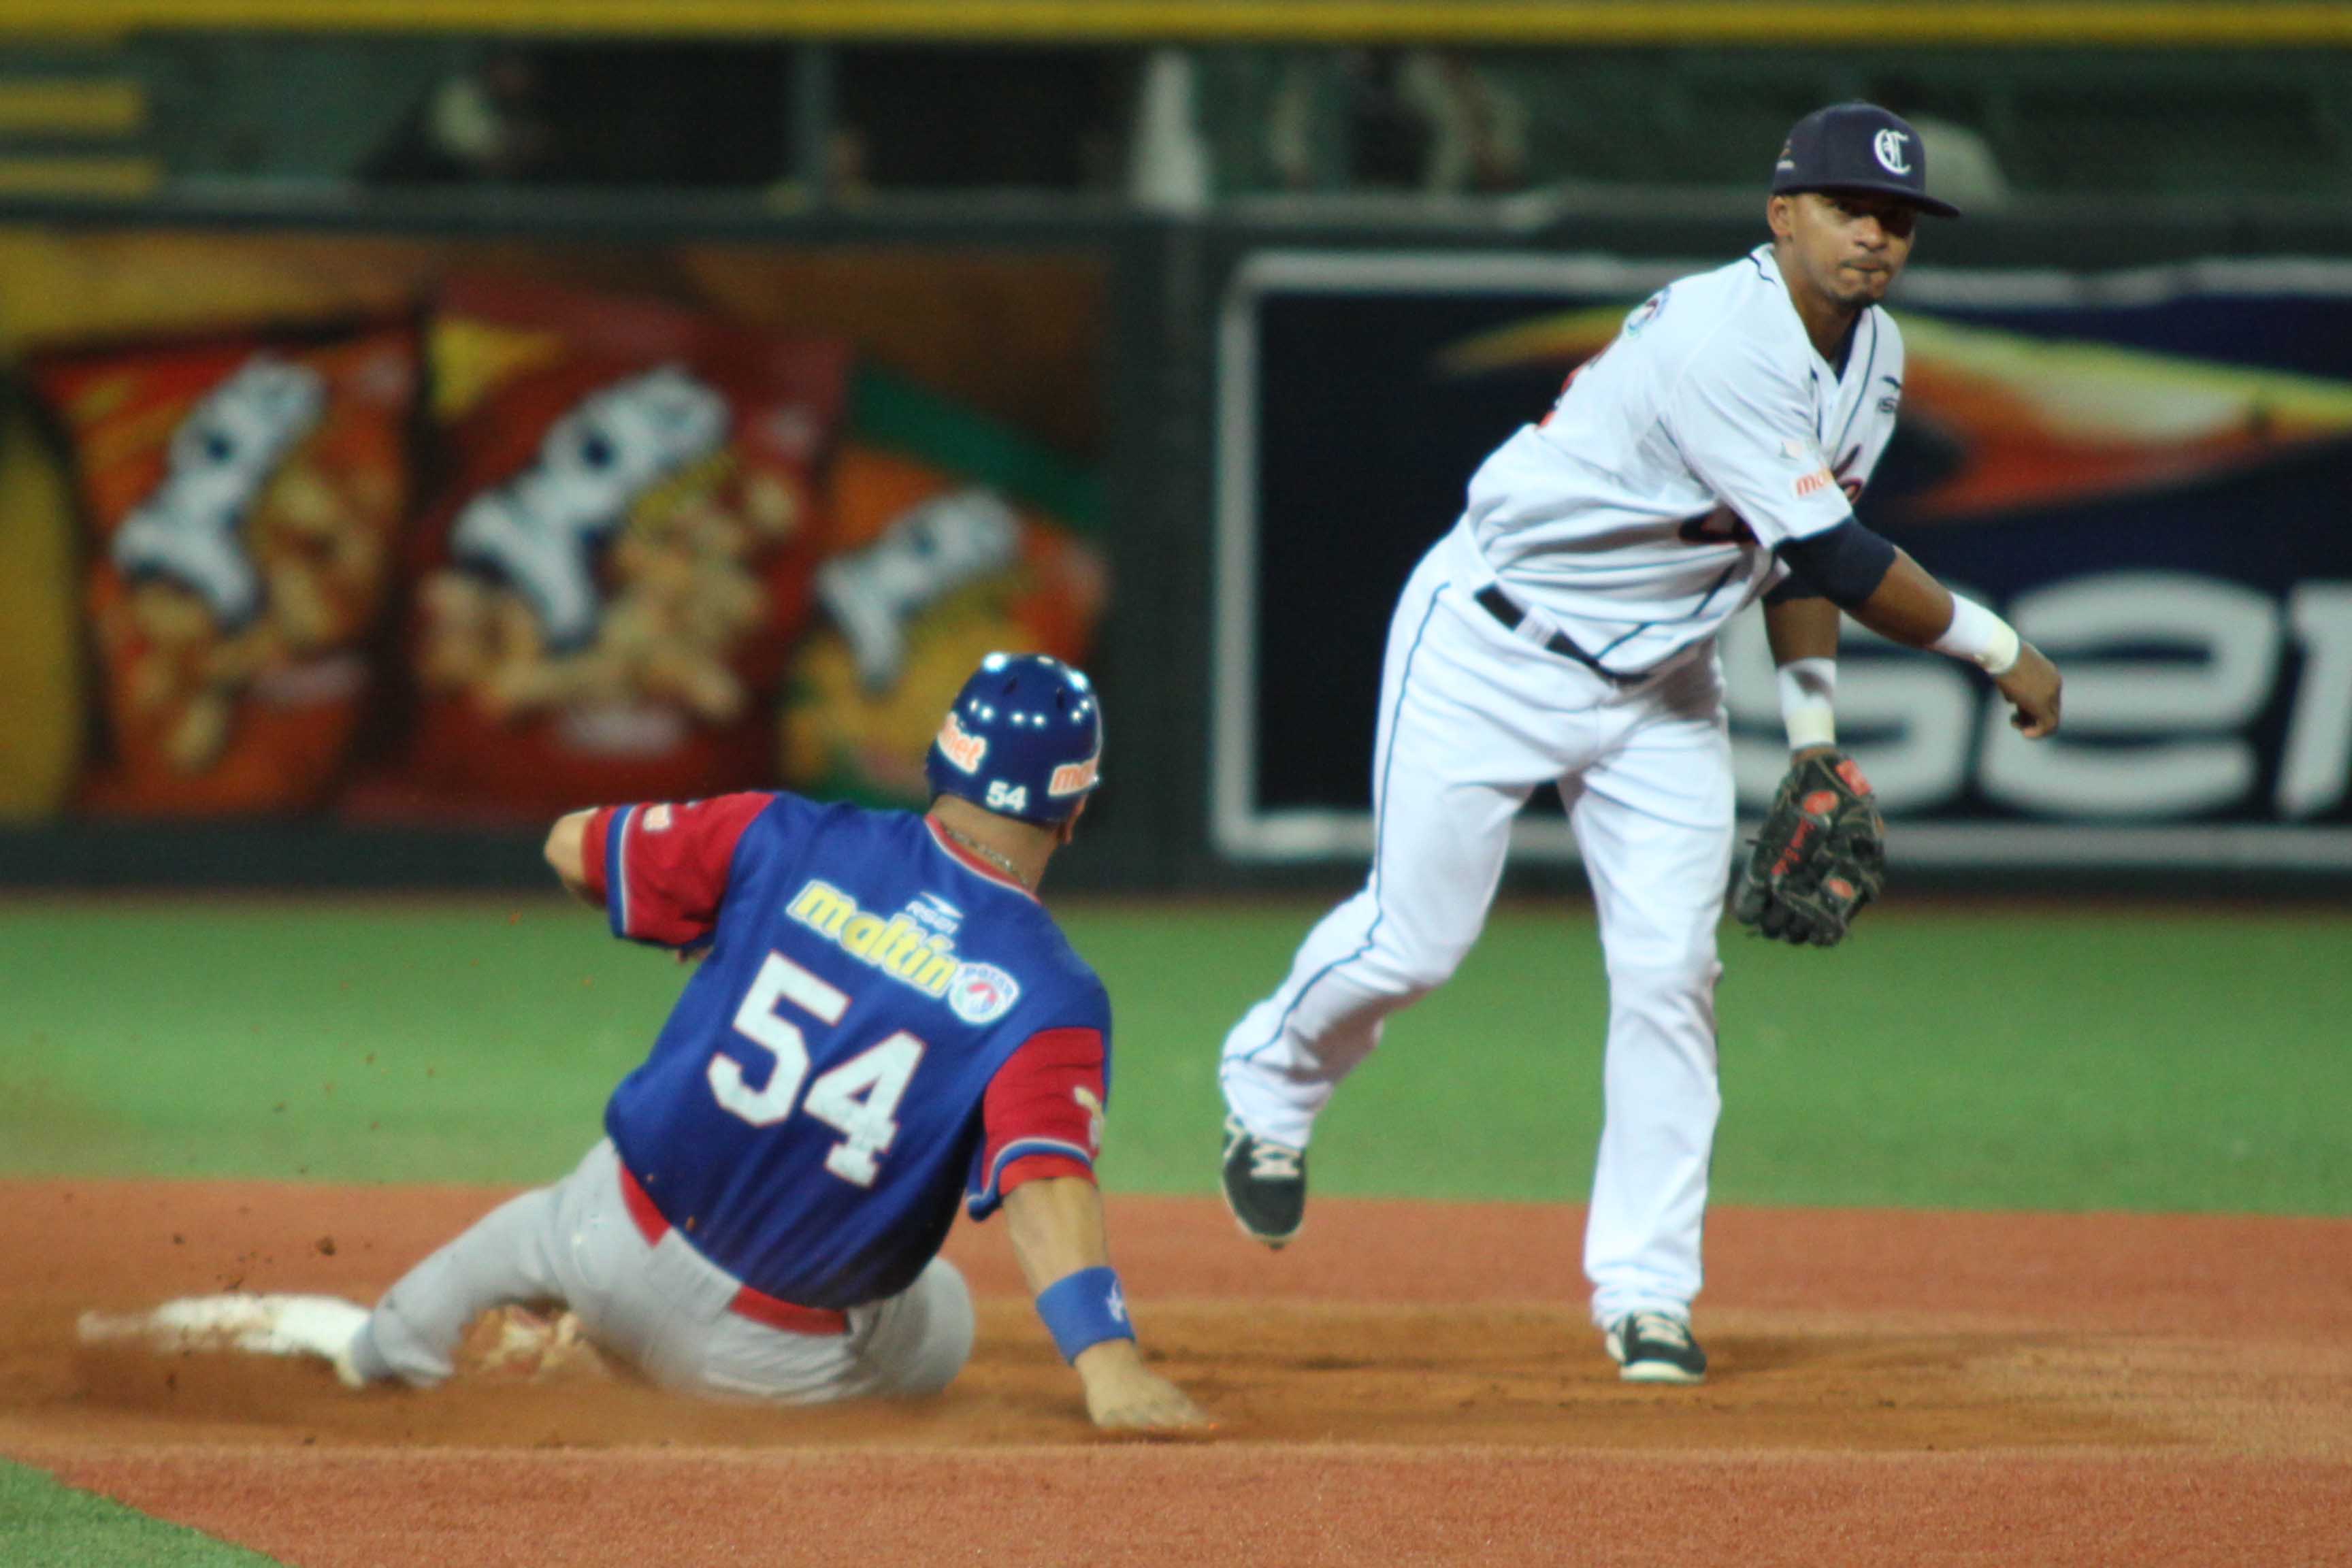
1849,246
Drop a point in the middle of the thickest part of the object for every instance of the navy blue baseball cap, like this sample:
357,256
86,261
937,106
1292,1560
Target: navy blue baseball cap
1857,147
1022,739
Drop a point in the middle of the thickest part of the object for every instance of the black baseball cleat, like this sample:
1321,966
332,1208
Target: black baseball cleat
1655,1347
1264,1185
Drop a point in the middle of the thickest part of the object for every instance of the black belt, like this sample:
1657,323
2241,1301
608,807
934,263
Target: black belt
1499,605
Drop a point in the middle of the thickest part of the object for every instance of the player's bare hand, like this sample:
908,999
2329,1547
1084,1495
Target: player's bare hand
1125,1396
2032,687
1147,1404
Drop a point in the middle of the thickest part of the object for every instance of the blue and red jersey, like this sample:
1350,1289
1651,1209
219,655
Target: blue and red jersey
883,1024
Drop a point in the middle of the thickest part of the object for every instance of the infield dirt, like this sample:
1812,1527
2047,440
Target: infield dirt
1408,1382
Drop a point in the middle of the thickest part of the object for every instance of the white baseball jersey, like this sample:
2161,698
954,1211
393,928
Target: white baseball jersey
1644,511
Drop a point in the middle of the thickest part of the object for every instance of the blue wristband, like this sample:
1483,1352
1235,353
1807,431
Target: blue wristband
1083,1310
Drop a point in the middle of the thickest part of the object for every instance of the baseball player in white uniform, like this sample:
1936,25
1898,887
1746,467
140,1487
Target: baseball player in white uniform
1563,633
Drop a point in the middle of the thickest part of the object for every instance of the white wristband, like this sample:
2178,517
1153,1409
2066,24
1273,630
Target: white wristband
1979,636
1808,702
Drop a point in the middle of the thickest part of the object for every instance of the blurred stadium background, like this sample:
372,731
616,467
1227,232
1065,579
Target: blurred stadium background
419,418
411,431
1161,336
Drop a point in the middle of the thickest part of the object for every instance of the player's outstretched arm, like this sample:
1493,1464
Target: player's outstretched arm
1886,590
1912,607
1059,1241
566,853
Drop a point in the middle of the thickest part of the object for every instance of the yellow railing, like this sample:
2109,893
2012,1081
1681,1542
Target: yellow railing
75,106
1740,23
126,177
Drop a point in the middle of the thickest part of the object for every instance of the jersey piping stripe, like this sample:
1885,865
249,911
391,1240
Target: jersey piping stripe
1712,592
1021,1149
1380,823
1617,642
1725,576
1869,362
617,875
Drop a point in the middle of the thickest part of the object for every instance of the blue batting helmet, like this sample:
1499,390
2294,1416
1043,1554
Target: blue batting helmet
1022,739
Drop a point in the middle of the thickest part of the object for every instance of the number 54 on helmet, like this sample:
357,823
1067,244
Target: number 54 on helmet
1022,739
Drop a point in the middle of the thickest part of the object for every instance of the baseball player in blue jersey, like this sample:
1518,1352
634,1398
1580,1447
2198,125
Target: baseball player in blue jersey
1562,636
885,1022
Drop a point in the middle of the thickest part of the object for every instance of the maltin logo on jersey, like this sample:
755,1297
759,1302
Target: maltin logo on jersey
902,948
983,993
899,947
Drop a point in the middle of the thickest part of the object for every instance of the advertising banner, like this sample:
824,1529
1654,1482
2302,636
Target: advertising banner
461,533
2145,471
243,494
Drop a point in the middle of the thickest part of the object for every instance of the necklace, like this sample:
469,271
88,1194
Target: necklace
983,851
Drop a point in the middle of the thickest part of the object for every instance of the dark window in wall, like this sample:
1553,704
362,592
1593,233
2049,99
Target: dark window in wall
963,119
694,116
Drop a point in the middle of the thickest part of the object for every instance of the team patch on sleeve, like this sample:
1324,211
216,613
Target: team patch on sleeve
1042,1116
666,866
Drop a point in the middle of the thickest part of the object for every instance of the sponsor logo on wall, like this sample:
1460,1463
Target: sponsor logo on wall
2143,471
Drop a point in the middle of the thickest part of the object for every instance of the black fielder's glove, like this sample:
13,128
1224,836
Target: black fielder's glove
1820,857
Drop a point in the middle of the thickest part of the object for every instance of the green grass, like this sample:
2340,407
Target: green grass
347,1041
1952,1058
45,1524
1948,1056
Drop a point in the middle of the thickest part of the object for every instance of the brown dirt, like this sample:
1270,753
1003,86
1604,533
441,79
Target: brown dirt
1408,1382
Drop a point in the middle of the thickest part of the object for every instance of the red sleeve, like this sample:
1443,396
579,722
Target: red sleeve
1043,1115
662,869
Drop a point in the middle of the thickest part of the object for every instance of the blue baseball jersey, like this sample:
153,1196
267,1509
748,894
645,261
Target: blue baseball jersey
883,1024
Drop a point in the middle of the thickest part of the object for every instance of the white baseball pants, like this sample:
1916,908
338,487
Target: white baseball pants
663,1307
1473,719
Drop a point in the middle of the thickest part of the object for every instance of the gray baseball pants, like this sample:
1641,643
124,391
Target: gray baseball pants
662,1308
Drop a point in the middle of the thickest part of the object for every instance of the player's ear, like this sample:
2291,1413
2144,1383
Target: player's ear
1780,213
1066,829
